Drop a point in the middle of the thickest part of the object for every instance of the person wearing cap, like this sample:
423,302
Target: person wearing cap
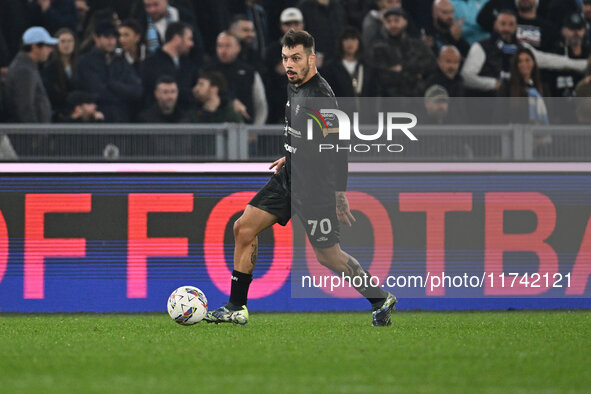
402,63
372,23
437,110
108,75
488,63
276,86
574,46
531,27
83,108
26,97
436,105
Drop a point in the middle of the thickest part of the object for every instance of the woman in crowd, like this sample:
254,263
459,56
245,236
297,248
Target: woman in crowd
58,74
347,74
525,82
132,45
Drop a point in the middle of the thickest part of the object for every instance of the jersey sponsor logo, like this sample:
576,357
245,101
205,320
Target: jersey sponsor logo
294,132
290,148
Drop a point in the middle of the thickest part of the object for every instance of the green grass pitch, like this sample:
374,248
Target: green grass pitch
427,352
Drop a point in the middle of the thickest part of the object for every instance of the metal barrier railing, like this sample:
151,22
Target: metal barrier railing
240,142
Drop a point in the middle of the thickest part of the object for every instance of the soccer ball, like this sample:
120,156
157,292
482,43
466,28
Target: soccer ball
187,305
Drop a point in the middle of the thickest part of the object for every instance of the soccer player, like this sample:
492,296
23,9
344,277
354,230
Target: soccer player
324,202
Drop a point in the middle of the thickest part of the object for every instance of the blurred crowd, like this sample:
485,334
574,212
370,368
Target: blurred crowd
213,61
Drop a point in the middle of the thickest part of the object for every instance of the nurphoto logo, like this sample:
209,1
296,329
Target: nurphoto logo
389,122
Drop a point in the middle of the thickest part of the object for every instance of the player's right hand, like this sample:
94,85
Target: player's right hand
278,164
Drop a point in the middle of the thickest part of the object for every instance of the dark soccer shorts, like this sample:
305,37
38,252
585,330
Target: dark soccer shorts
318,215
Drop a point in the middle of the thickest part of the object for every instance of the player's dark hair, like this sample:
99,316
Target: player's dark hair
175,29
294,38
164,79
215,78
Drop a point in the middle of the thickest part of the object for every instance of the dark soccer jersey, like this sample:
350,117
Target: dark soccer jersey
310,169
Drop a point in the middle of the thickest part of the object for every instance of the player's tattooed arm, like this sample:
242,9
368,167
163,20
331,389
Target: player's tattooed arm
343,212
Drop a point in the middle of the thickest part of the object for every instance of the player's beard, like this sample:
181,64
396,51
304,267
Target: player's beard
302,75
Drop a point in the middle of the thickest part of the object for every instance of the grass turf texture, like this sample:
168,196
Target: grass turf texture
538,352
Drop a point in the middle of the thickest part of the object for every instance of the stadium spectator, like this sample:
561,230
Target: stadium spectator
574,46
531,28
445,30
156,15
96,17
53,14
258,17
83,108
447,74
402,63
132,45
348,75
165,108
58,73
213,107
372,23
242,28
437,110
325,21
26,97
276,81
109,76
466,12
436,103
245,86
172,59
166,111
489,61
524,82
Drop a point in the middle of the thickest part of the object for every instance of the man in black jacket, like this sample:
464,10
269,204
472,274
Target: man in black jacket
109,76
531,28
447,73
165,109
444,30
245,85
171,59
402,62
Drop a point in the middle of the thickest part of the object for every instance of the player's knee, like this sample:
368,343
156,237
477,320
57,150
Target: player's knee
242,232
